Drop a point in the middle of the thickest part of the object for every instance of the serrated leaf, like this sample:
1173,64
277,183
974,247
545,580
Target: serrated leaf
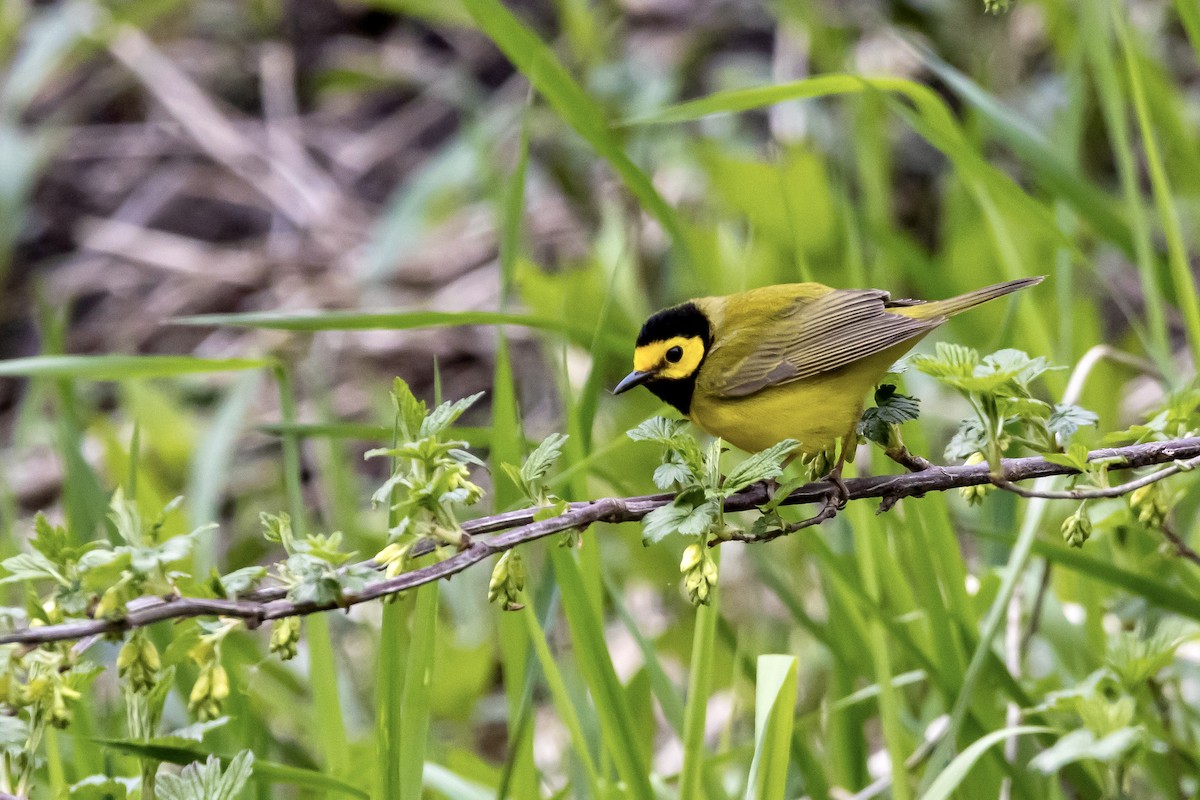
895,408
444,415
891,408
968,440
30,567
50,540
1017,364
664,521
670,473
410,412
1067,418
699,520
207,781
948,361
659,429
763,465
538,464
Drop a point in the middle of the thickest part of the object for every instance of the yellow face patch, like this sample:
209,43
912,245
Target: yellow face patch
660,357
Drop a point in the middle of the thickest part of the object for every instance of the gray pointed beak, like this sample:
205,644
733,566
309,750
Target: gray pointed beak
631,380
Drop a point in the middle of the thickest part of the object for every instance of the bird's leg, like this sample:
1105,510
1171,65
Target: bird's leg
834,476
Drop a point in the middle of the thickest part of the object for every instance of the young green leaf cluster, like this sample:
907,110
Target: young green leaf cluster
1114,712
430,476
316,569
698,508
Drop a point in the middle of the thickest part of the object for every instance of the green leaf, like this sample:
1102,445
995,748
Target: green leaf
208,781
968,440
774,704
672,472
242,580
660,430
891,408
410,412
52,541
699,519
103,787
664,521
538,464
30,567
1076,457
949,779
948,361
1081,744
444,415
1066,418
763,465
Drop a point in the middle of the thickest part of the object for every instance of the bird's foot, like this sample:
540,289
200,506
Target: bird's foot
770,486
839,493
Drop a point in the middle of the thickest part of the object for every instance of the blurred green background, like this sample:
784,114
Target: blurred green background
353,187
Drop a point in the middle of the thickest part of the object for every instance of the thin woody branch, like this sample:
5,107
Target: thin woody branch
516,528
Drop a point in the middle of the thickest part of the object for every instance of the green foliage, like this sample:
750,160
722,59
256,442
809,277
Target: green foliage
880,423
209,780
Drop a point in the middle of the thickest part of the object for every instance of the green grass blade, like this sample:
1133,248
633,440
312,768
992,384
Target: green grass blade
389,688
314,321
269,771
700,683
562,699
872,549
591,649
774,701
454,787
949,779
1189,16
414,701
121,367
1168,214
209,469
330,733
541,67
1097,44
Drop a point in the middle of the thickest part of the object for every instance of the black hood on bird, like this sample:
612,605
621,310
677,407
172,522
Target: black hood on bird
682,320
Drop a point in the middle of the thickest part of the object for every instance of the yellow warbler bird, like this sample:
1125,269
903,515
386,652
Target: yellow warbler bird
792,361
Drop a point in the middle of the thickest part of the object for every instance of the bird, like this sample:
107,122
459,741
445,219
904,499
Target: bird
790,361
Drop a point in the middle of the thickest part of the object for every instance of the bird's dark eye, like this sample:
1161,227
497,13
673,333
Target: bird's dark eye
674,354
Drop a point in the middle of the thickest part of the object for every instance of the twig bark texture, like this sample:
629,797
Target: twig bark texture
518,527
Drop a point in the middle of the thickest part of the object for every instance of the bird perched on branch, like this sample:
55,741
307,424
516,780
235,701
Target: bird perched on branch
792,361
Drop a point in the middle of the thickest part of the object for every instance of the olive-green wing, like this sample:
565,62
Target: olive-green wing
810,336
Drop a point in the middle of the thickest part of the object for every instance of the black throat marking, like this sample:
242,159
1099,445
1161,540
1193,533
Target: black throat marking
685,320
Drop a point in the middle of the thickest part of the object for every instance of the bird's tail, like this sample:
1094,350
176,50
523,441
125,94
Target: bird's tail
953,305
